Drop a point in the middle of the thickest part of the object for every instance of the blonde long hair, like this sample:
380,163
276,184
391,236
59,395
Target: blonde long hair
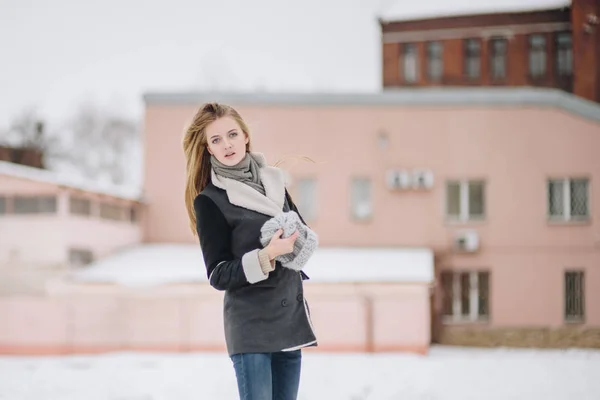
197,157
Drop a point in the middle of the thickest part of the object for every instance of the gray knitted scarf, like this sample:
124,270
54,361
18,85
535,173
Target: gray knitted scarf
246,171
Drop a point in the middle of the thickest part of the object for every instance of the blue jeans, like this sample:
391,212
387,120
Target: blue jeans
268,376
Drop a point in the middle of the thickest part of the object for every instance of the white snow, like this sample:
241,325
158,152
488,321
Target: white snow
68,179
398,10
446,374
155,264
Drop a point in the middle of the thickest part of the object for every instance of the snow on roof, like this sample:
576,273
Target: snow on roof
158,264
68,180
430,96
402,10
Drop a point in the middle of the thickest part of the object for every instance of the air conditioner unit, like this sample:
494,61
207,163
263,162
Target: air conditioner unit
467,241
422,179
397,179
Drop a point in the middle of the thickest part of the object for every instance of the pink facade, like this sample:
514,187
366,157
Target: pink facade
515,144
39,242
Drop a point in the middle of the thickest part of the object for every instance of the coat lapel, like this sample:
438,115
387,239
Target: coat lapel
242,195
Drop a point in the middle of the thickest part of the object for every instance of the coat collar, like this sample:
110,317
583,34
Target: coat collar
242,195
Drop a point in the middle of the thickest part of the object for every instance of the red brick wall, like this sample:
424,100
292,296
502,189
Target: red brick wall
586,54
586,51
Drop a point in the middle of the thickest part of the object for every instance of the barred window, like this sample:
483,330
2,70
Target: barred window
537,55
80,206
466,295
472,58
34,204
361,201
465,200
435,61
80,257
499,47
574,296
410,63
568,199
564,54
2,205
111,211
306,199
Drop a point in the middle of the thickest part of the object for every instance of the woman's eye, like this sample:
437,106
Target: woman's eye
215,141
233,134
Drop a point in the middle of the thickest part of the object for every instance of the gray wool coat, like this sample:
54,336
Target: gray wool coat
262,313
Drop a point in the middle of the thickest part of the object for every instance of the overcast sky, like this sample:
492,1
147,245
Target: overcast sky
56,54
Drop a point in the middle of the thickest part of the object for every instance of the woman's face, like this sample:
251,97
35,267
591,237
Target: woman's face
226,141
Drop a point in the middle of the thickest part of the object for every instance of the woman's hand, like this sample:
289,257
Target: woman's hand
279,246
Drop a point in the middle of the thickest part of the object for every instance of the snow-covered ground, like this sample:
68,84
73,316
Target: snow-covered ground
447,373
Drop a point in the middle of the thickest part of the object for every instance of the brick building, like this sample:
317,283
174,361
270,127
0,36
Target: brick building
552,48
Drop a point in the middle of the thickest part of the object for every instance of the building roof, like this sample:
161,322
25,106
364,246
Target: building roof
67,180
431,96
159,264
402,10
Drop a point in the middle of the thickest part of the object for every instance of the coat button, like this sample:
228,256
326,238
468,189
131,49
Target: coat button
299,297
284,303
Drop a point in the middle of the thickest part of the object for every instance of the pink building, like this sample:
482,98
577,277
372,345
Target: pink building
497,183
50,224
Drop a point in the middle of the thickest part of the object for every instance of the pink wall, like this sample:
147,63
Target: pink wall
77,319
44,239
515,149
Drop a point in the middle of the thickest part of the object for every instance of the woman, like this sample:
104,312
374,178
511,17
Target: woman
233,198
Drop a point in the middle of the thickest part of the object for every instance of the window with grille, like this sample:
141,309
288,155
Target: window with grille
498,47
80,257
568,199
2,205
34,204
435,61
410,63
564,54
466,295
465,200
111,211
80,206
361,201
537,56
574,296
472,58
306,198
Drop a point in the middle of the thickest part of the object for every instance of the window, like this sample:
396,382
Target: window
80,206
472,58
574,296
2,205
498,47
466,295
306,199
465,200
564,54
34,204
134,214
568,199
111,211
410,63
537,56
435,61
80,257
361,198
